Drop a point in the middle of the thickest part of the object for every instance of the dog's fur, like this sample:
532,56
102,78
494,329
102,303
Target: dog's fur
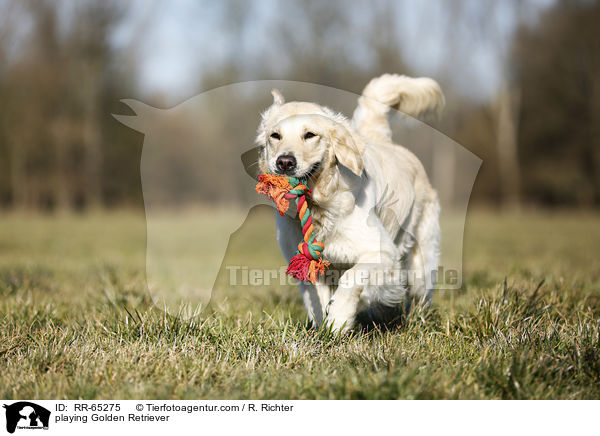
372,204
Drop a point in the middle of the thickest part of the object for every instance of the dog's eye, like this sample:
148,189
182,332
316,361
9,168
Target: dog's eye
309,135
276,135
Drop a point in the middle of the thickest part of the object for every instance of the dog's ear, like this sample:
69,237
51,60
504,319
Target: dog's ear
277,97
278,100
348,148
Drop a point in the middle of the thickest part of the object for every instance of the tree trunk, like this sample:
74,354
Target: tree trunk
61,137
444,174
18,178
92,138
506,145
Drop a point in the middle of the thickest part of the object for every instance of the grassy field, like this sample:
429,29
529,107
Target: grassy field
76,322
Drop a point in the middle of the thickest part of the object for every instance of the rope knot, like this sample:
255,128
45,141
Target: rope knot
307,264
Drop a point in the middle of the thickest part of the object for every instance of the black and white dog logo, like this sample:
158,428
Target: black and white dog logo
26,415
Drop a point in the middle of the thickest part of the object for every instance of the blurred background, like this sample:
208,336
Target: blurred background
520,79
79,250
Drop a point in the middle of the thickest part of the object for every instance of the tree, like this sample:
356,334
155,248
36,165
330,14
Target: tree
55,90
557,65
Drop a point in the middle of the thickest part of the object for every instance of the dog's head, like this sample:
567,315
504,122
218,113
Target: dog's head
306,140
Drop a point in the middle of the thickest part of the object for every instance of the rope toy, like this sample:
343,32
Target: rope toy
308,263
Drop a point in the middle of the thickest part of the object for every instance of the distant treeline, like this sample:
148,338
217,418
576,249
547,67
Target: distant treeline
60,148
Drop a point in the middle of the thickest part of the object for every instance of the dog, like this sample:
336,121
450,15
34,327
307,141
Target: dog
372,204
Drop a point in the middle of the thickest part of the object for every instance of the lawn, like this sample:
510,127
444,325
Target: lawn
76,321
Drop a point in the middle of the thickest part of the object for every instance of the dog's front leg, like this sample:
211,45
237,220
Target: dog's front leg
344,304
363,283
316,297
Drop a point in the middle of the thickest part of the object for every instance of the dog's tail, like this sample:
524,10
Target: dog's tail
413,96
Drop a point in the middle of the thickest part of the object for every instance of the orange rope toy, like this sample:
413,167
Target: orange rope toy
308,263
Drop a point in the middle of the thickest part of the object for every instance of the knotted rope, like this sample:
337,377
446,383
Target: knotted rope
308,263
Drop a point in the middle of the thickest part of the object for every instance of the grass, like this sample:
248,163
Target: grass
76,322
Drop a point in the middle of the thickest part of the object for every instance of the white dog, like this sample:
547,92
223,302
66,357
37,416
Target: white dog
372,204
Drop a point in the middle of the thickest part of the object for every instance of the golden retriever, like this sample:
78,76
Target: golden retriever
372,204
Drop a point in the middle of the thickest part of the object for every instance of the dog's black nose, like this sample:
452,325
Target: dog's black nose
286,163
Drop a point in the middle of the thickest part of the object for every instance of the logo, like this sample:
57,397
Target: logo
26,415
197,167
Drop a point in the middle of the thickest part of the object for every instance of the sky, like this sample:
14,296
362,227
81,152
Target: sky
176,41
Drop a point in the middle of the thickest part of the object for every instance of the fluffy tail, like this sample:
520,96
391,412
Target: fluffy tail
413,96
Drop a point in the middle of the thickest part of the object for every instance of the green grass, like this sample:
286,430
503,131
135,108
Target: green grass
76,322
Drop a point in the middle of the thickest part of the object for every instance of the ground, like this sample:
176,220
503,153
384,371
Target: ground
76,322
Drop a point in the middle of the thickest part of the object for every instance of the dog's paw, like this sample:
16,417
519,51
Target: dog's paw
342,308
338,323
